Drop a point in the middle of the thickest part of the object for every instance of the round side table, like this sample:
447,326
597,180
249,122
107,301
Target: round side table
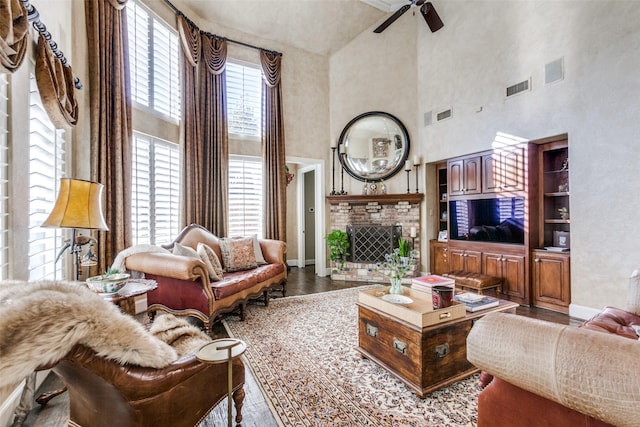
220,351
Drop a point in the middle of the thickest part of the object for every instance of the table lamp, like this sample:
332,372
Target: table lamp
79,205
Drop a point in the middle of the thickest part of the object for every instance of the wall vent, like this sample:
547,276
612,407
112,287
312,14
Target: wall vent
443,115
554,71
523,86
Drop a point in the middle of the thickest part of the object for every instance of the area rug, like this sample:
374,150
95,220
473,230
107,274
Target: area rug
302,351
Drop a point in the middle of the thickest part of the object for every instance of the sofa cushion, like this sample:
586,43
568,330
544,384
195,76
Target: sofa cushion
238,254
210,259
240,280
258,250
633,294
612,320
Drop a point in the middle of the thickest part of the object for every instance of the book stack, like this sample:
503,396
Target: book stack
474,302
425,283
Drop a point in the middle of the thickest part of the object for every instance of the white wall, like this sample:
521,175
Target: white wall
486,46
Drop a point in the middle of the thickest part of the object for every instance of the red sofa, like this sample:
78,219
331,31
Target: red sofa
184,287
538,373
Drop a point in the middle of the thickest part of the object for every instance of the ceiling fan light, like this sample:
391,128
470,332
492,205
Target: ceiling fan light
431,17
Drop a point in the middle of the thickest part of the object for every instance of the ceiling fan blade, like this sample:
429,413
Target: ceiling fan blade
392,18
431,16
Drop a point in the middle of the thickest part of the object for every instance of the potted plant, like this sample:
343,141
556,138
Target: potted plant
338,242
404,247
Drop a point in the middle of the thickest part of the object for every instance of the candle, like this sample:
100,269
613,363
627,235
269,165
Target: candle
334,143
407,165
413,232
416,160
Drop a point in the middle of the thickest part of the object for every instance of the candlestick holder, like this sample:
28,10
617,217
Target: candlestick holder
408,171
417,169
342,192
333,171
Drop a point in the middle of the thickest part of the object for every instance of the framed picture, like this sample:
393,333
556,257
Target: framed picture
380,147
561,239
442,236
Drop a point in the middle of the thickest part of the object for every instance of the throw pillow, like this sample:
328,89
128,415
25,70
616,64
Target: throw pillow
211,260
258,251
238,254
179,249
633,293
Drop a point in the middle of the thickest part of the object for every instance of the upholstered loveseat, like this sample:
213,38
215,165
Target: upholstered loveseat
544,374
186,286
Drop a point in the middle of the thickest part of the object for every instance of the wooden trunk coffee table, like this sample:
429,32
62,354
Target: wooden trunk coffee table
424,358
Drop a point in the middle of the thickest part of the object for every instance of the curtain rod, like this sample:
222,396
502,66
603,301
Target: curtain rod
34,18
179,12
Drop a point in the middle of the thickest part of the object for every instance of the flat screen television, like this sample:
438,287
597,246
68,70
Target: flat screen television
487,220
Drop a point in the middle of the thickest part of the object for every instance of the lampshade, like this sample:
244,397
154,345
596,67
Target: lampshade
79,205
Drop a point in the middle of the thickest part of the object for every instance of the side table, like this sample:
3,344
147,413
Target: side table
220,351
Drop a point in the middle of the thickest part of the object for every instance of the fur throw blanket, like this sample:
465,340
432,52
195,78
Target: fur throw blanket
42,321
119,262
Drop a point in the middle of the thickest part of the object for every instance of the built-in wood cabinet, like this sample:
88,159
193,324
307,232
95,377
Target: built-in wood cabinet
551,279
503,170
511,268
465,176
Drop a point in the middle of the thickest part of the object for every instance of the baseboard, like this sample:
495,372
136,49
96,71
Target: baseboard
582,312
292,262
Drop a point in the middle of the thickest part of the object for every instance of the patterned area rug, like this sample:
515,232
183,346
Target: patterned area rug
302,351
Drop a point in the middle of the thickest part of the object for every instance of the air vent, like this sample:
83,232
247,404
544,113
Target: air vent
554,71
443,115
517,88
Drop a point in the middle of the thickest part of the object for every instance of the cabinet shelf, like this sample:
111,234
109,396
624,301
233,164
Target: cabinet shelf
557,221
557,194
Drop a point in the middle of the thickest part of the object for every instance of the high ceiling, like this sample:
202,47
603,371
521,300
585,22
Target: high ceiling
318,26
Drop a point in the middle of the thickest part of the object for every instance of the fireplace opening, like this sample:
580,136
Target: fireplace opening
370,243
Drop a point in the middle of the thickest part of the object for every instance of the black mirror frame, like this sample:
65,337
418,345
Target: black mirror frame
400,164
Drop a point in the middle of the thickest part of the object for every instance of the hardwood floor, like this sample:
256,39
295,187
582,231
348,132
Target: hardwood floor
256,413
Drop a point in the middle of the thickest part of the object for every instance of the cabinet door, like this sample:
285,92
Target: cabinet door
456,177
513,284
473,261
456,259
472,181
551,282
491,182
439,258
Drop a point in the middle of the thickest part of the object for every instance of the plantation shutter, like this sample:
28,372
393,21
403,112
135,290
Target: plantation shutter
4,181
46,167
245,197
139,60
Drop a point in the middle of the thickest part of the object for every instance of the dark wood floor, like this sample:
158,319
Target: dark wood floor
301,281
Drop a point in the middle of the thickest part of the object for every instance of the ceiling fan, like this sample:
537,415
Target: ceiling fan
426,8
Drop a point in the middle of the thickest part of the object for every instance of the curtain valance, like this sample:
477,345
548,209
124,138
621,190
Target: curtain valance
14,34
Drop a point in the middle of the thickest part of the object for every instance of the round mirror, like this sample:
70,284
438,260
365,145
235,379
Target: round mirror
373,146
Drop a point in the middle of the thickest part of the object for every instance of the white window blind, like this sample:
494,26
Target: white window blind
245,197
4,179
156,190
154,62
46,167
244,102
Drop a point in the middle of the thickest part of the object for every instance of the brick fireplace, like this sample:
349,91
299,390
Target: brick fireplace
376,214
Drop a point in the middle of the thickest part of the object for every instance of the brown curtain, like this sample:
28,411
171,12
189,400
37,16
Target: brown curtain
192,154
55,84
110,110
14,34
273,150
215,139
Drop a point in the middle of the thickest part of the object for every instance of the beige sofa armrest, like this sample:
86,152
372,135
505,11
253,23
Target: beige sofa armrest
273,250
591,372
168,265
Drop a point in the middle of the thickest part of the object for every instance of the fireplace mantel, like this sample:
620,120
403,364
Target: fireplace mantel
383,199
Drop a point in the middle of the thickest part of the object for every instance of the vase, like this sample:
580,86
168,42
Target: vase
396,286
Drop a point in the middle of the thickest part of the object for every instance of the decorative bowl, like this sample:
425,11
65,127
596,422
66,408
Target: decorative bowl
108,283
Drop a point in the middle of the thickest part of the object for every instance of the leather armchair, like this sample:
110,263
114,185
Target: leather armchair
103,393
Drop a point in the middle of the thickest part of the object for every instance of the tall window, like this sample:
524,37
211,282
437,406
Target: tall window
244,102
4,181
156,190
46,167
154,62
245,197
